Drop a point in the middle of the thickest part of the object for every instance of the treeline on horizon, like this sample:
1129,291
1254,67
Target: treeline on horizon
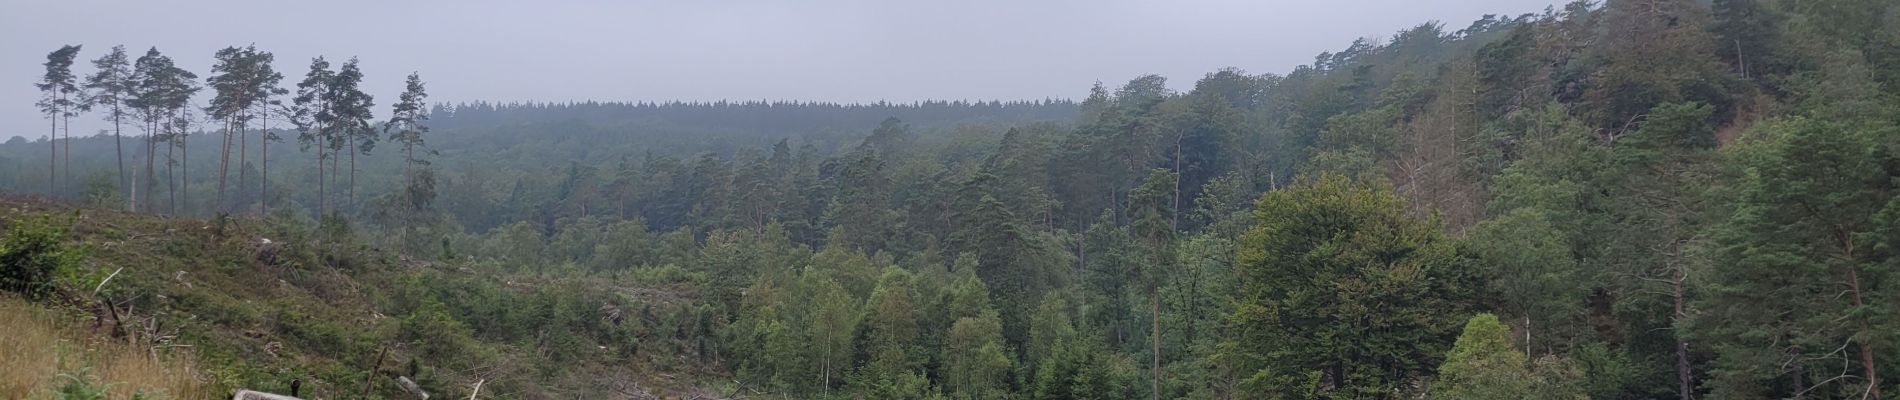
1626,200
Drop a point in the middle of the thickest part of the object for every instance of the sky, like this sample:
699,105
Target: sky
704,50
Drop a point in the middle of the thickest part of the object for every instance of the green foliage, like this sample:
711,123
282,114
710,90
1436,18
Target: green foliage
33,253
1800,257
1673,198
975,364
1336,280
1531,270
1484,365
1082,369
81,386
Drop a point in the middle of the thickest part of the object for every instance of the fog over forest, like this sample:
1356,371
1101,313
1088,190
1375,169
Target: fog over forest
846,51
839,200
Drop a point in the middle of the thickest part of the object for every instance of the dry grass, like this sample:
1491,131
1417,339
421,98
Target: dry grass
40,351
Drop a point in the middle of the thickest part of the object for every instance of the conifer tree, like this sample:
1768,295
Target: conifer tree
147,103
405,122
264,105
244,80
352,110
112,87
162,99
59,100
312,114
227,81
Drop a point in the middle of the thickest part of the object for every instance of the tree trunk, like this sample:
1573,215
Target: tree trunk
336,177
243,148
184,168
1154,336
1684,376
320,186
151,170
66,119
352,200
52,157
224,165
118,146
171,180
1866,349
263,195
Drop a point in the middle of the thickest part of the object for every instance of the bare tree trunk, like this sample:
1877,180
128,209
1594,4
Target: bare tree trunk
243,148
66,119
151,170
118,146
352,200
367,385
1154,336
1684,376
335,156
52,158
263,195
171,180
184,167
224,165
1866,349
320,182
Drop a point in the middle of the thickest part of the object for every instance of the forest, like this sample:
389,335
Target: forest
1627,199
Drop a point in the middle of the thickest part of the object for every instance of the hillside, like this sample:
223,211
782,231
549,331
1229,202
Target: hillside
1631,199
256,305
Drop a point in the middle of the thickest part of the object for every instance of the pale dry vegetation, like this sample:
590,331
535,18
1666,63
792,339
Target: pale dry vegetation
42,353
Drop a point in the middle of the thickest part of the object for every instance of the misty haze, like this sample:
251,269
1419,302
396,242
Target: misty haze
843,199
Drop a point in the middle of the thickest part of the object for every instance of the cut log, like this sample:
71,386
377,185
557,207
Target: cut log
411,387
254,395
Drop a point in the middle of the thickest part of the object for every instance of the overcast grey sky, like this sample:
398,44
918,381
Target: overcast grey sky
827,50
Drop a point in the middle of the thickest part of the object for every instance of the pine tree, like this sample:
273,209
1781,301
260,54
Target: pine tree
315,120
58,100
147,101
264,103
244,81
352,109
112,88
405,121
227,81
405,127
162,98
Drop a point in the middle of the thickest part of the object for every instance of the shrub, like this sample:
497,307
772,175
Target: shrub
30,255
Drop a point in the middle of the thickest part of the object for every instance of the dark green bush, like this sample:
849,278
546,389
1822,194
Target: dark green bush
30,255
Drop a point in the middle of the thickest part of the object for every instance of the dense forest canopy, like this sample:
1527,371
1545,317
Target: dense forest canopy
1630,199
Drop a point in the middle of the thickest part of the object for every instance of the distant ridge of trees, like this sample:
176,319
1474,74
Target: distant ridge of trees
756,114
